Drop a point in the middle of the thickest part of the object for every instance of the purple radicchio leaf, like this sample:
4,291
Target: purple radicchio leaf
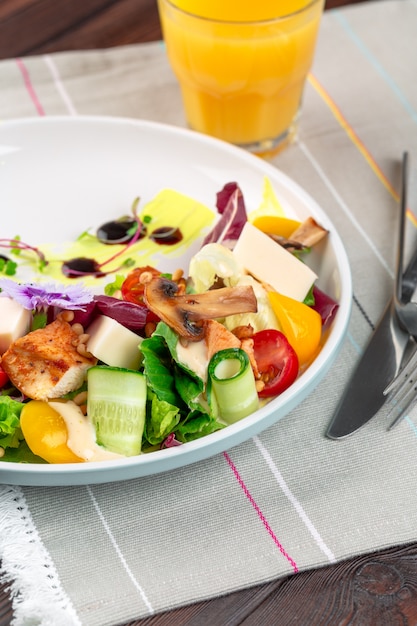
231,206
325,306
129,314
170,441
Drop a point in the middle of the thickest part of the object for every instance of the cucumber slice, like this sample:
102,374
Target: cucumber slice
116,406
231,385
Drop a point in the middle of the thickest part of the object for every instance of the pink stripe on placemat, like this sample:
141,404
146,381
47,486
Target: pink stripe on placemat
29,87
259,513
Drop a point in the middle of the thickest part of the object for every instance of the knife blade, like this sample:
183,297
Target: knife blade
389,346
381,361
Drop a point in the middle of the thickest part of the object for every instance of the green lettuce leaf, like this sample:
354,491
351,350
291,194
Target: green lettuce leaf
22,454
197,425
310,300
162,419
168,377
158,369
171,339
190,389
176,401
10,432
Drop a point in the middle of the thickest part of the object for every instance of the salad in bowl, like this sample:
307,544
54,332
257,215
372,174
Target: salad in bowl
157,359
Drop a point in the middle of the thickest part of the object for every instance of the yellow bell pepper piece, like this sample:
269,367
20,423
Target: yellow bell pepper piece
276,225
300,324
46,433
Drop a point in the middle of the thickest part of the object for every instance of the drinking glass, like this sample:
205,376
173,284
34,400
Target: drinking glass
242,65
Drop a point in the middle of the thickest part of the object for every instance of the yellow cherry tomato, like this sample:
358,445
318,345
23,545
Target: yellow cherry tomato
300,324
46,433
275,225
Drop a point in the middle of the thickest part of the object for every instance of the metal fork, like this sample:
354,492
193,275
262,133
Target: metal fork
405,284
402,390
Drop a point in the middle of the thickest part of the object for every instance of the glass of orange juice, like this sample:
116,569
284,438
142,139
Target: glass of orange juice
242,65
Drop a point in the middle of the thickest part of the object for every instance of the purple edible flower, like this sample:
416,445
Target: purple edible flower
40,297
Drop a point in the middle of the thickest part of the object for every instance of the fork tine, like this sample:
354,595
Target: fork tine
402,391
398,419
402,404
403,374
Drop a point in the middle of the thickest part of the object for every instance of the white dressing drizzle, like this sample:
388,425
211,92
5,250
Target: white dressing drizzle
81,435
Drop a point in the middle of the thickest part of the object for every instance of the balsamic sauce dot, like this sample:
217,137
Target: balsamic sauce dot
119,231
81,266
166,235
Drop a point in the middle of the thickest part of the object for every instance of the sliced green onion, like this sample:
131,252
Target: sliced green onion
231,387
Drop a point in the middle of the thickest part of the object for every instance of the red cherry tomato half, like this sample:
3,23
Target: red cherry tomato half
4,379
132,289
277,361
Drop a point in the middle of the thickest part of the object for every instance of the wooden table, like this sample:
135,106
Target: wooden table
41,26
376,589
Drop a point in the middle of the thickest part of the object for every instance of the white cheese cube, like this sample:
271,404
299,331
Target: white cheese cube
113,344
15,321
270,263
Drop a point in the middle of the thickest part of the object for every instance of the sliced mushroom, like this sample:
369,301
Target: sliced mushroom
309,233
305,236
185,313
288,244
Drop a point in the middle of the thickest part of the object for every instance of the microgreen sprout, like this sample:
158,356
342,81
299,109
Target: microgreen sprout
16,246
89,267
111,288
7,266
137,232
97,268
133,230
85,235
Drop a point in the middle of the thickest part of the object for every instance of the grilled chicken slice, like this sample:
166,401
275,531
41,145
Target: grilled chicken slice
217,338
45,363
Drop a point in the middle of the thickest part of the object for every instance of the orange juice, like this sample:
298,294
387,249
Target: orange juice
241,64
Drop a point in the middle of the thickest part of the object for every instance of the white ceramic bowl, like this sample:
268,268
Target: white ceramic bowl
60,175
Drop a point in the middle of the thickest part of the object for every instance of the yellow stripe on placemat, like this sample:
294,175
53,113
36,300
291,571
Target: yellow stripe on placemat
356,140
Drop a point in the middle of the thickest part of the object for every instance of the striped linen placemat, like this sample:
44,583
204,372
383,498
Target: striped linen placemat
288,499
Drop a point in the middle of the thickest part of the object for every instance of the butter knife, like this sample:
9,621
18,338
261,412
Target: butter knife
389,346
380,363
